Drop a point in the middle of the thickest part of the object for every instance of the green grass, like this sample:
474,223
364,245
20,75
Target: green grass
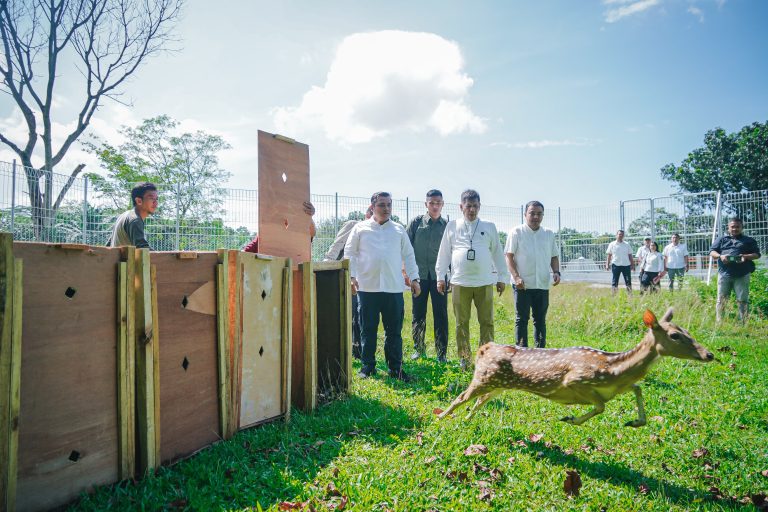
382,449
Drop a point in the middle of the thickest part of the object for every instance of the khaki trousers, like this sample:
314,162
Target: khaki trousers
463,296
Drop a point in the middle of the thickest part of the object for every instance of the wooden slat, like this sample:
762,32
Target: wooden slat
310,336
15,391
287,336
346,326
329,265
186,255
223,352
147,423
125,369
231,296
156,361
6,349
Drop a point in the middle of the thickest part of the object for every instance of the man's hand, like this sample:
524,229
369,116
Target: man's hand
441,287
354,286
555,279
309,208
500,287
415,288
724,259
519,283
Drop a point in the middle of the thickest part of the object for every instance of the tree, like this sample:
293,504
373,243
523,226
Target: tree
99,44
184,166
665,223
729,162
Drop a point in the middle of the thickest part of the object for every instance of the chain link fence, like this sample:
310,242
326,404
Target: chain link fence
38,210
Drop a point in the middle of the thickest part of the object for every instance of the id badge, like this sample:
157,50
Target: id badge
471,255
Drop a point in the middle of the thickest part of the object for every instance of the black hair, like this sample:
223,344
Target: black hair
533,203
434,193
140,189
736,219
470,195
375,197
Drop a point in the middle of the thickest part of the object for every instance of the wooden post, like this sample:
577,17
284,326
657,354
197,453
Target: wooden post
15,391
287,338
228,310
310,336
345,338
7,471
126,365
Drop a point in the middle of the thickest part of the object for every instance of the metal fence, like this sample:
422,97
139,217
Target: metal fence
84,215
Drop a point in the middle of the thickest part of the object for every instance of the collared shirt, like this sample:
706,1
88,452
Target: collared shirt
336,251
735,246
533,252
642,252
675,255
621,252
128,230
653,262
425,234
376,254
459,237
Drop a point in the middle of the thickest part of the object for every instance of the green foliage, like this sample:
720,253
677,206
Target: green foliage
665,223
758,291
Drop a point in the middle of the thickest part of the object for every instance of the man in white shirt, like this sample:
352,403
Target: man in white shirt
676,261
642,252
377,248
336,252
471,248
620,262
532,253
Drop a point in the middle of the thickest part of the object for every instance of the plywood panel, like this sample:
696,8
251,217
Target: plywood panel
331,374
297,347
186,299
283,187
262,320
68,424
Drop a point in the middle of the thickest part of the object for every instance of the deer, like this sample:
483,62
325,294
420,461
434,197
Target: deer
578,375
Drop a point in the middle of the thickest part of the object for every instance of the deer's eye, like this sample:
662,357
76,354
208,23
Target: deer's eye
675,336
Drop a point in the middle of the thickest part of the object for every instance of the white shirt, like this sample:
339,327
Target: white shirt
533,252
621,252
654,262
376,254
341,240
676,255
488,267
642,252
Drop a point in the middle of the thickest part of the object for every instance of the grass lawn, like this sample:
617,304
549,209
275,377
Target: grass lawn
705,446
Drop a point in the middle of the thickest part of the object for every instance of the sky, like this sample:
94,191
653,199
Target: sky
570,103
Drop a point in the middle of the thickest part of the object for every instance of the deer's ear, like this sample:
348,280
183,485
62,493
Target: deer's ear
649,319
668,315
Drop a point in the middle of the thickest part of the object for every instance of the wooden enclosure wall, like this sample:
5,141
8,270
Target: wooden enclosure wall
187,335
69,427
304,339
334,327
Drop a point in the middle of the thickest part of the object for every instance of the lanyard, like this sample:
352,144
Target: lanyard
472,235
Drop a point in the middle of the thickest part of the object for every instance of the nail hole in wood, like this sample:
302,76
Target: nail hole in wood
285,178
263,294
261,351
74,456
70,292
185,363
285,223
184,302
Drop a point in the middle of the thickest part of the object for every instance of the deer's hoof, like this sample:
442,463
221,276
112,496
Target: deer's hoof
634,423
568,419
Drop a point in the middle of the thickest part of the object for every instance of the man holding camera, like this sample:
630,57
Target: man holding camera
735,253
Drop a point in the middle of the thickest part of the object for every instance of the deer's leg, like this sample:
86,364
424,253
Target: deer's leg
640,421
590,397
480,401
461,400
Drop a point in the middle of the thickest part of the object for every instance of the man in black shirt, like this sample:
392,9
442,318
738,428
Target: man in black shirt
425,233
735,253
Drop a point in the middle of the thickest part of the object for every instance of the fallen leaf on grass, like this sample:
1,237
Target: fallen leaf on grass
331,490
716,493
659,419
535,438
343,503
666,468
643,489
724,349
476,449
419,438
572,482
732,366
496,474
405,453
437,411
335,472
511,460
764,472
290,505
486,495
461,476
568,451
700,452
741,427
430,460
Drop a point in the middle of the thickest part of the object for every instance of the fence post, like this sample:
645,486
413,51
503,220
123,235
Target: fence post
522,214
653,220
13,197
560,239
336,215
621,215
177,242
407,210
85,210
715,229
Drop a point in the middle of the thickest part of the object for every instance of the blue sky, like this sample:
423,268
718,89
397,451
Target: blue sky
571,103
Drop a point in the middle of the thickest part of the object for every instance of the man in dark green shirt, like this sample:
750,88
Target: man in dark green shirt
129,226
425,233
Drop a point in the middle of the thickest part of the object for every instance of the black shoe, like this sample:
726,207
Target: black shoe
416,355
442,359
401,376
364,374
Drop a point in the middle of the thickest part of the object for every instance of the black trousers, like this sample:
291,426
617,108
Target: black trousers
621,271
355,327
389,307
439,317
527,302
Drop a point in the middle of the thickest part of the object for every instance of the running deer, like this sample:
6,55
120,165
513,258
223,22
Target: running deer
578,375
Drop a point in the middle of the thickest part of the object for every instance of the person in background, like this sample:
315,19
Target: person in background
336,252
129,226
471,248
652,269
425,233
735,254
676,261
377,248
642,251
309,209
620,262
532,253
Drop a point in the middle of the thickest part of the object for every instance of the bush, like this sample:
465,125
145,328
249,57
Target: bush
758,290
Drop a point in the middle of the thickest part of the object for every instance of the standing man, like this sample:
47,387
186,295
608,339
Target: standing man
620,262
129,226
377,248
335,253
425,233
532,253
735,253
675,261
642,252
471,248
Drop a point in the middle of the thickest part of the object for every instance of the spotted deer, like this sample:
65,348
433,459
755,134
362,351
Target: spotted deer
578,375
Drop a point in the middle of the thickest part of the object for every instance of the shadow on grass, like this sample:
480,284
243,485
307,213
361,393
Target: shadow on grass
622,475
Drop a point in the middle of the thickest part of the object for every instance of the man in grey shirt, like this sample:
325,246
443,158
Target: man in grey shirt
129,226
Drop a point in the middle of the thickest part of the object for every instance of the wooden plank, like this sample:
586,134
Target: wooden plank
15,391
262,328
297,340
222,352
287,338
329,265
310,337
346,325
125,368
74,247
147,423
187,255
155,343
68,419
188,362
331,310
6,349
235,276
283,187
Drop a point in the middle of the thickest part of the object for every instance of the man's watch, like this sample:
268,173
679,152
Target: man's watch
556,272
417,280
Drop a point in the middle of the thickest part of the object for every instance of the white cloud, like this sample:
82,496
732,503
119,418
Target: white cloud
384,82
546,143
628,8
696,12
